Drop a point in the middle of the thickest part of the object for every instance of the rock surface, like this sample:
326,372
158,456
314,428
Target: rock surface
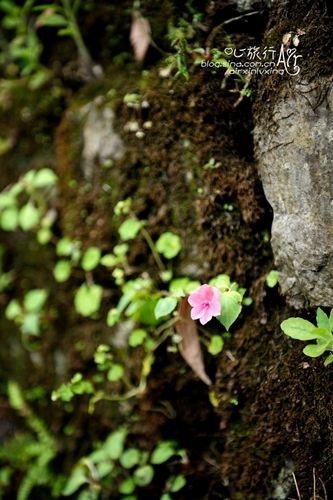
100,141
294,151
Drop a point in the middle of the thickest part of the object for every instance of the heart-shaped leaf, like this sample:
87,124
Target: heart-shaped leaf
231,306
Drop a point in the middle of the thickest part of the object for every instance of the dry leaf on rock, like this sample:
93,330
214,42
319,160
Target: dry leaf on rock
140,35
189,346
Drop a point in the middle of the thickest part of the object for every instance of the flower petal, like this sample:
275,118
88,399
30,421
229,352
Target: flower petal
198,311
215,308
205,317
206,292
195,298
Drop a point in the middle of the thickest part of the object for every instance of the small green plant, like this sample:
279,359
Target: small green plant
62,15
28,455
272,278
28,315
147,310
21,51
24,205
69,252
321,334
21,47
113,467
212,164
188,53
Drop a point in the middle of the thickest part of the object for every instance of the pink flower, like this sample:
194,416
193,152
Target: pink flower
205,302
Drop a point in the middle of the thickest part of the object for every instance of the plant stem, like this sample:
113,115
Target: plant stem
77,37
151,245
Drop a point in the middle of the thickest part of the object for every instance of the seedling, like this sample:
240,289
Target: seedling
321,334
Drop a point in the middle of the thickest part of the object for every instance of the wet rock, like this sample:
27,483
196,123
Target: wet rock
294,150
101,142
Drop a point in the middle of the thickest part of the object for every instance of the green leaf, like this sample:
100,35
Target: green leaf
130,458
322,334
98,456
65,247
109,260
169,245
30,324
129,229
331,320
165,306
222,281
91,258
9,219
28,178
7,199
166,276
114,445
13,310
143,475
272,278
315,350
28,217
116,372
75,481
15,395
120,250
144,311
53,20
328,360
112,317
34,300
323,320
104,469
44,235
166,496
62,271
87,299
180,287
137,337
215,344
231,306
45,178
163,452
299,329
177,483
66,32
127,486
247,301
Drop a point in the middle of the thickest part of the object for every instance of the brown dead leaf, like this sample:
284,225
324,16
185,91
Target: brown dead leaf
189,346
140,35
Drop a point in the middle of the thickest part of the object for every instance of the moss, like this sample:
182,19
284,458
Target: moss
315,20
27,119
282,407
